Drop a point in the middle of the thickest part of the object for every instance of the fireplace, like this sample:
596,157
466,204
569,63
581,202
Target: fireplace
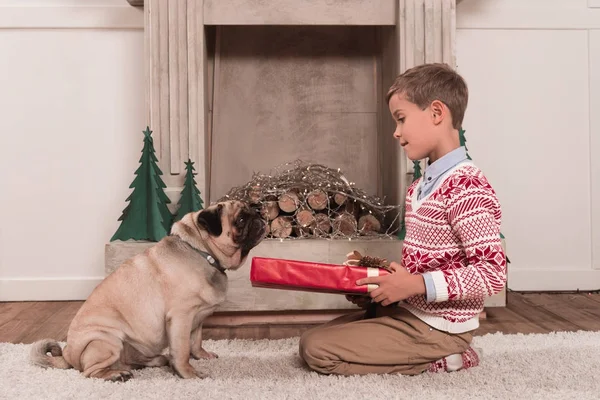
244,86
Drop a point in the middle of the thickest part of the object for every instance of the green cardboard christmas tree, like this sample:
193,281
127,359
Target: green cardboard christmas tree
146,217
417,170
190,199
463,141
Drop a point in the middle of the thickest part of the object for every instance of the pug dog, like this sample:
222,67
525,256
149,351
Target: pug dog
158,299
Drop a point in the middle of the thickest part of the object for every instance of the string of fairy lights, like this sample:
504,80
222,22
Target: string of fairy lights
360,214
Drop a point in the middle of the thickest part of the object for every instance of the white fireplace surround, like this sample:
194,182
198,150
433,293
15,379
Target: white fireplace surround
180,77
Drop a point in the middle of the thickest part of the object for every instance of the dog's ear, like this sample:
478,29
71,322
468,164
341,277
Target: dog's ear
210,220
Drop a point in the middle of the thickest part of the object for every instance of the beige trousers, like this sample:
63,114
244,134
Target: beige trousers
394,341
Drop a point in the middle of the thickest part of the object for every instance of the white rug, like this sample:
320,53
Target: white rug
554,366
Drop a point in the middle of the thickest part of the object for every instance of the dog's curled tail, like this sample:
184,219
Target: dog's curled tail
38,354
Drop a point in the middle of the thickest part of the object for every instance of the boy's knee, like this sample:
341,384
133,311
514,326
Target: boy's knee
313,350
306,342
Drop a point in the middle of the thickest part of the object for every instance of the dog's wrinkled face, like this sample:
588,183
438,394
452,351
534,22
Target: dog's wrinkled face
230,229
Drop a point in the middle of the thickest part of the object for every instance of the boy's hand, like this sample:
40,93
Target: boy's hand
362,301
397,286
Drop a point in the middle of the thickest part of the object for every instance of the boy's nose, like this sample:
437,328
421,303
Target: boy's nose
397,134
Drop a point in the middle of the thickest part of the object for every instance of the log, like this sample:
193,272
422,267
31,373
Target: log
289,201
368,224
281,227
352,207
305,222
339,199
269,210
345,224
305,219
317,199
322,225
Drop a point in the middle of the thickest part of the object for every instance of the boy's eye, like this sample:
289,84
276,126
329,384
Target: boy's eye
401,119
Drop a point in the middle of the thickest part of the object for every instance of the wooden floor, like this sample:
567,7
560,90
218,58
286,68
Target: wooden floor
26,322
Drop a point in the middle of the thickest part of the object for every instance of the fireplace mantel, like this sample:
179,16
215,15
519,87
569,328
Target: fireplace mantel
293,12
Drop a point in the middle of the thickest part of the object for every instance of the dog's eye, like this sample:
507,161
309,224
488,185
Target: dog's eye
241,221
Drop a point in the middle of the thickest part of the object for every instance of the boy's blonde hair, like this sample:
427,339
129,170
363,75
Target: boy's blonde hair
428,82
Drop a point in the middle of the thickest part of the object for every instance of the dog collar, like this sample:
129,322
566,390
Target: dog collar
211,260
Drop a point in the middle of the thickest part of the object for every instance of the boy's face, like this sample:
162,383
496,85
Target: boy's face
415,129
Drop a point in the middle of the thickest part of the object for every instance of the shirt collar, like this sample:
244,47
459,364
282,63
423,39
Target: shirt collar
443,164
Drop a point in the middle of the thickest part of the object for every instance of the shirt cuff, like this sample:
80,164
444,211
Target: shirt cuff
441,286
429,287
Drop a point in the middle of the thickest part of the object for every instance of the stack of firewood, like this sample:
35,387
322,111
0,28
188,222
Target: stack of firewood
306,200
315,213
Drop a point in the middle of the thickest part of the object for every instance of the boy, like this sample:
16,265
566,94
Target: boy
452,256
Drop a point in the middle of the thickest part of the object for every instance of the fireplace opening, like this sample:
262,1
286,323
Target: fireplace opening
281,94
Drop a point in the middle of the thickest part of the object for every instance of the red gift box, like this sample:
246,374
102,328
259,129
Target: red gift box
276,273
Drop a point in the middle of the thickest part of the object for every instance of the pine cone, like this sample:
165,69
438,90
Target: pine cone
357,259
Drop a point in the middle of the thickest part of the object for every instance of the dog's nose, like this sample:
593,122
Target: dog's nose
253,210
259,225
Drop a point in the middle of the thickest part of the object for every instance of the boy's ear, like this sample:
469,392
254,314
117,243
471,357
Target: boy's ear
439,111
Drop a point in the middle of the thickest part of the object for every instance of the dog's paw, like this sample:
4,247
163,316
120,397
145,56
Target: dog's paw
204,355
201,375
118,376
186,371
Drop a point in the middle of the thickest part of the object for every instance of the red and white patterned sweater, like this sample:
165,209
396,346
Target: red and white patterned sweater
454,234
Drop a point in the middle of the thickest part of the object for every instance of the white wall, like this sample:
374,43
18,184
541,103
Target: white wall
71,92
72,98
533,68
